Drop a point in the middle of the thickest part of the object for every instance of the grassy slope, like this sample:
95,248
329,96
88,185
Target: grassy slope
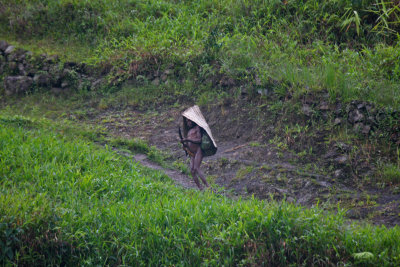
341,46
71,202
89,206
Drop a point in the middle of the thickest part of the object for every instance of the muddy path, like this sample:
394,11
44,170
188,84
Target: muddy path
251,164
177,176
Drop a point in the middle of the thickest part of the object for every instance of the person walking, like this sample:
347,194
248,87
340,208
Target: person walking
197,141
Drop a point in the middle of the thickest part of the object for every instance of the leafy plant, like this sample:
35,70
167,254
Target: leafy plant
388,21
350,18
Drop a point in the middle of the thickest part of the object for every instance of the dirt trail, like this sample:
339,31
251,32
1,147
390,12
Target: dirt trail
247,164
179,178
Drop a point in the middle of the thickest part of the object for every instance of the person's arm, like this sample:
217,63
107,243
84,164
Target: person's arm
197,140
192,141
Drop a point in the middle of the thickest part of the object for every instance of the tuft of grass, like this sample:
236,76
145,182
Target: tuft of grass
139,146
182,166
391,173
134,145
242,172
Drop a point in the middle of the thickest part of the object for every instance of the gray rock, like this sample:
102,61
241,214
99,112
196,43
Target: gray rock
169,71
64,85
307,110
324,183
361,105
366,129
9,50
55,73
21,69
13,67
42,79
343,147
331,154
156,82
338,174
262,91
96,85
355,116
338,108
341,160
361,128
66,73
282,190
17,84
324,106
17,55
337,121
3,46
354,103
371,120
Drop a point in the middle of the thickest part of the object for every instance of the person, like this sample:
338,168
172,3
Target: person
192,145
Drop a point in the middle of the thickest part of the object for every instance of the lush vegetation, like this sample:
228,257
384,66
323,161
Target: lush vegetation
64,200
70,202
349,48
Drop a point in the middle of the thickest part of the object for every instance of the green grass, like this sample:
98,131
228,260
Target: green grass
71,202
391,173
66,201
349,48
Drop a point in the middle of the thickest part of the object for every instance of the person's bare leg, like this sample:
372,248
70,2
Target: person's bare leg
194,174
202,177
197,162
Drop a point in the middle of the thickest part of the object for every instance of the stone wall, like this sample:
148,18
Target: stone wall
362,116
22,72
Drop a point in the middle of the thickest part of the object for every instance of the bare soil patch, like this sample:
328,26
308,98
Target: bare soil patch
249,163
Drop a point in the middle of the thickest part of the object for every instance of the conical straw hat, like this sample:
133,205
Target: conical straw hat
194,114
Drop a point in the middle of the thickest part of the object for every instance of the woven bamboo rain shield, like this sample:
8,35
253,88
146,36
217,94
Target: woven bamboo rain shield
194,114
